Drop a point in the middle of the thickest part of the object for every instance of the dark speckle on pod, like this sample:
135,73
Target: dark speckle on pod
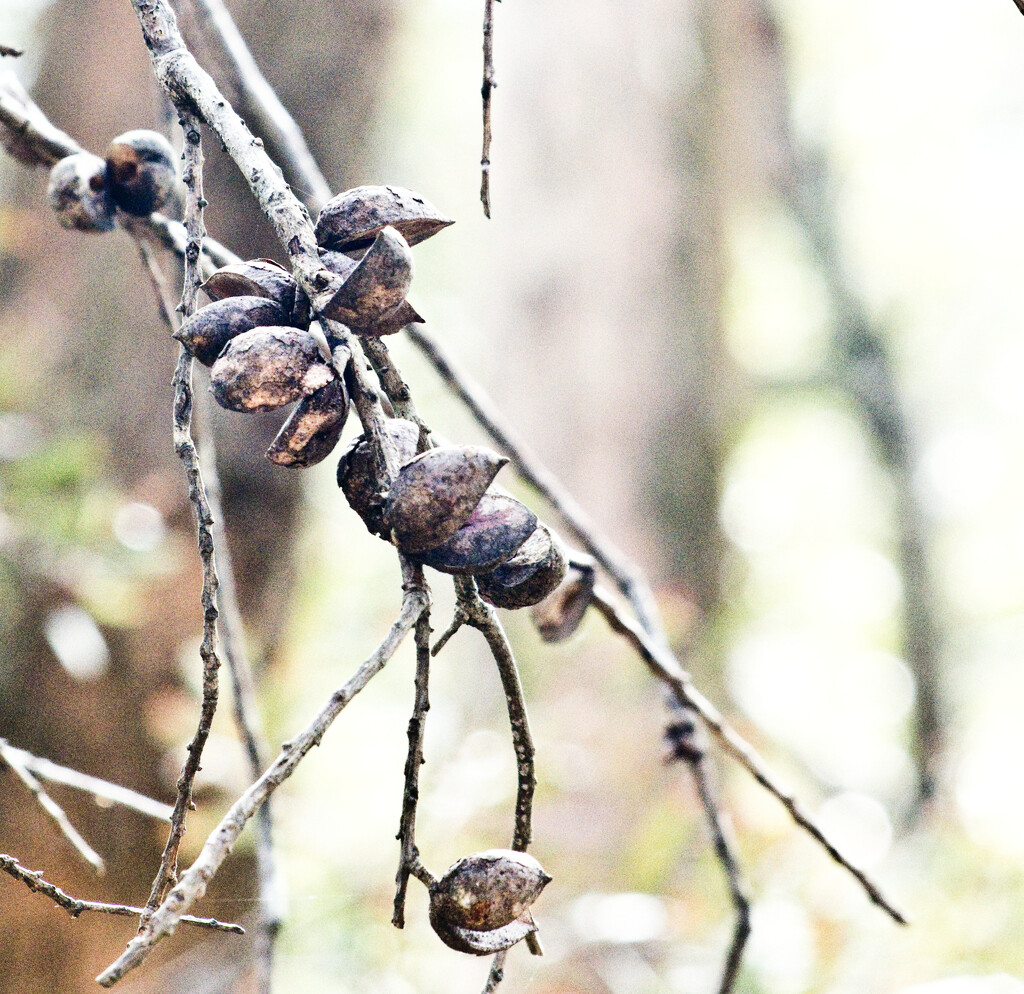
78,194
141,171
312,429
207,331
352,220
529,576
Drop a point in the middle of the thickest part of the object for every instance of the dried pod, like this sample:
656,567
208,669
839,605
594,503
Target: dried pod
261,278
267,368
378,284
141,171
312,429
498,526
356,476
352,219
436,492
560,613
478,943
207,331
487,890
391,323
78,193
536,569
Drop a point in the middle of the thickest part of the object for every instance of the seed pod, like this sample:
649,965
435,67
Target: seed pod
436,492
395,321
560,613
78,193
352,219
141,171
487,890
356,475
207,331
498,526
267,368
312,429
378,284
536,569
478,943
261,278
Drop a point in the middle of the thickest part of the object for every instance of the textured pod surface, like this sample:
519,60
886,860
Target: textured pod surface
312,429
483,943
267,368
487,890
141,171
260,278
560,613
536,569
493,533
356,476
352,219
435,494
207,331
378,284
78,193
391,323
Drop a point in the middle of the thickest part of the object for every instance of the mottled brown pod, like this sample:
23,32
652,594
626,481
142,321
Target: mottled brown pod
261,278
560,613
436,492
352,219
207,331
377,286
479,943
141,171
391,323
267,368
356,476
78,193
536,569
493,533
312,429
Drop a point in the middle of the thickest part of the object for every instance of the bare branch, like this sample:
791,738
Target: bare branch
1019,5
485,92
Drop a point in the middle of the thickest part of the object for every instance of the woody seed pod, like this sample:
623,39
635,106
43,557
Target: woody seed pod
141,171
395,321
480,943
352,219
377,286
436,492
498,526
529,576
207,331
267,368
312,429
261,278
78,193
560,613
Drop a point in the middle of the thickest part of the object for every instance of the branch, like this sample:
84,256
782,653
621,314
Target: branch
485,93
193,882
33,879
1019,5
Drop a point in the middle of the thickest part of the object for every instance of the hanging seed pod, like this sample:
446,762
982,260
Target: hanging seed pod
560,613
267,368
207,331
377,286
261,278
478,943
536,569
141,171
352,219
436,492
356,475
312,429
390,324
492,534
78,193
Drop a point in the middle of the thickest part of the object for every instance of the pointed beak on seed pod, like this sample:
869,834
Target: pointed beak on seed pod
377,286
260,278
207,331
78,193
141,171
559,615
435,493
536,569
352,220
482,902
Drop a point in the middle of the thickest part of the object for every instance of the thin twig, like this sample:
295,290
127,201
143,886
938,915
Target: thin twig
496,974
193,882
52,808
485,93
33,879
1019,4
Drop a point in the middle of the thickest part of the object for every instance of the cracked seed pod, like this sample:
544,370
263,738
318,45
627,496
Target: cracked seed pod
267,368
536,569
352,219
436,492
312,429
141,171
492,534
208,331
78,193
261,278
377,286
390,324
478,943
560,613
487,890
356,475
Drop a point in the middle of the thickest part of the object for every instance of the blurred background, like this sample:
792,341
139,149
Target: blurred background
752,289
